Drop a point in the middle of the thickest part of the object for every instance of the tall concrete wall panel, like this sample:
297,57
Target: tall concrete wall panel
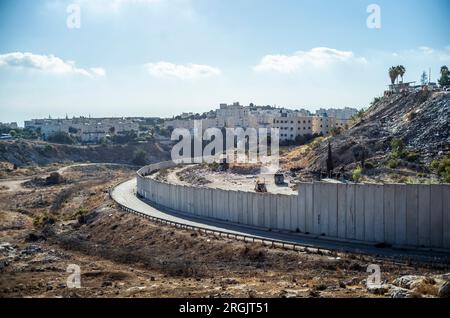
424,215
342,211
446,215
332,194
378,208
369,213
400,214
359,212
389,213
309,207
412,214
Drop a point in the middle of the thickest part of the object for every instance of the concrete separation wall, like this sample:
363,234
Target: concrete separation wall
397,214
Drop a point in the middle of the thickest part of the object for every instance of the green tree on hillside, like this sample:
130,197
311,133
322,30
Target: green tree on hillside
13,133
401,70
445,79
393,74
424,78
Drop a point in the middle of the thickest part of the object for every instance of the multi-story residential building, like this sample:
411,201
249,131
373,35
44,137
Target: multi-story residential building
293,126
88,130
9,125
233,115
292,123
343,113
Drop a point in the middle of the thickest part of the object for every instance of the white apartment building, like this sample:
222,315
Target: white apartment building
233,115
343,113
292,126
9,125
291,123
88,130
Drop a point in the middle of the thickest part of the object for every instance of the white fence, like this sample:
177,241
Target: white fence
398,214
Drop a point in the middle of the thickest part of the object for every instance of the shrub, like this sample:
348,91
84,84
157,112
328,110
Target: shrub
54,178
393,163
357,173
42,220
140,157
410,156
48,148
397,146
442,168
369,165
61,137
80,212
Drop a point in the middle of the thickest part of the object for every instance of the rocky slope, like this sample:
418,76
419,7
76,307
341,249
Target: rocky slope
421,120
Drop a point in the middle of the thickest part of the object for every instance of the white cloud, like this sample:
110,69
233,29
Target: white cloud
112,5
46,63
98,71
185,72
316,57
426,49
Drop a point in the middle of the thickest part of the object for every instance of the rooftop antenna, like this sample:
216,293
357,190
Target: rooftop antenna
429,75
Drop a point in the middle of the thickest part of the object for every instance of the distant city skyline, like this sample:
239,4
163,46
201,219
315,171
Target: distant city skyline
159,58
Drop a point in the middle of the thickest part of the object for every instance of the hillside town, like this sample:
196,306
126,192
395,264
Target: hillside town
293,124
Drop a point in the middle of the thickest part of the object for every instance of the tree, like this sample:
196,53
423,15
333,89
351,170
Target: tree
140,157
424,78
393,74
401,70
445,79
61,137
13,133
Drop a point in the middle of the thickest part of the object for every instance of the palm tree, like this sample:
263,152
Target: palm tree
393,74
401,70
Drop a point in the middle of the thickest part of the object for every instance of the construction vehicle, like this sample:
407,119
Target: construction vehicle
260,186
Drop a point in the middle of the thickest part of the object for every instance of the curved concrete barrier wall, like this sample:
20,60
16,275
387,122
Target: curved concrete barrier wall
398,214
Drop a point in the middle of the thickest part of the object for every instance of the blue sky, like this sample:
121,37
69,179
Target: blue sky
163,57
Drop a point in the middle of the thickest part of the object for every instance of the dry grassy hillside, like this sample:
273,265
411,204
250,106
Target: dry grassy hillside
24,153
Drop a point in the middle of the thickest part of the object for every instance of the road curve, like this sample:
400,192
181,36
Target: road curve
125,195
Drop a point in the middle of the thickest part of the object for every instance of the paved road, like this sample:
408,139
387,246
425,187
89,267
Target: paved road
125,194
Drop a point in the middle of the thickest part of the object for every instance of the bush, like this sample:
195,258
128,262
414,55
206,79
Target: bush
357,173
42,220
410,156
125,137
48,149
79,213
393,163
442,168
54,178
140,157
61,137
397,146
